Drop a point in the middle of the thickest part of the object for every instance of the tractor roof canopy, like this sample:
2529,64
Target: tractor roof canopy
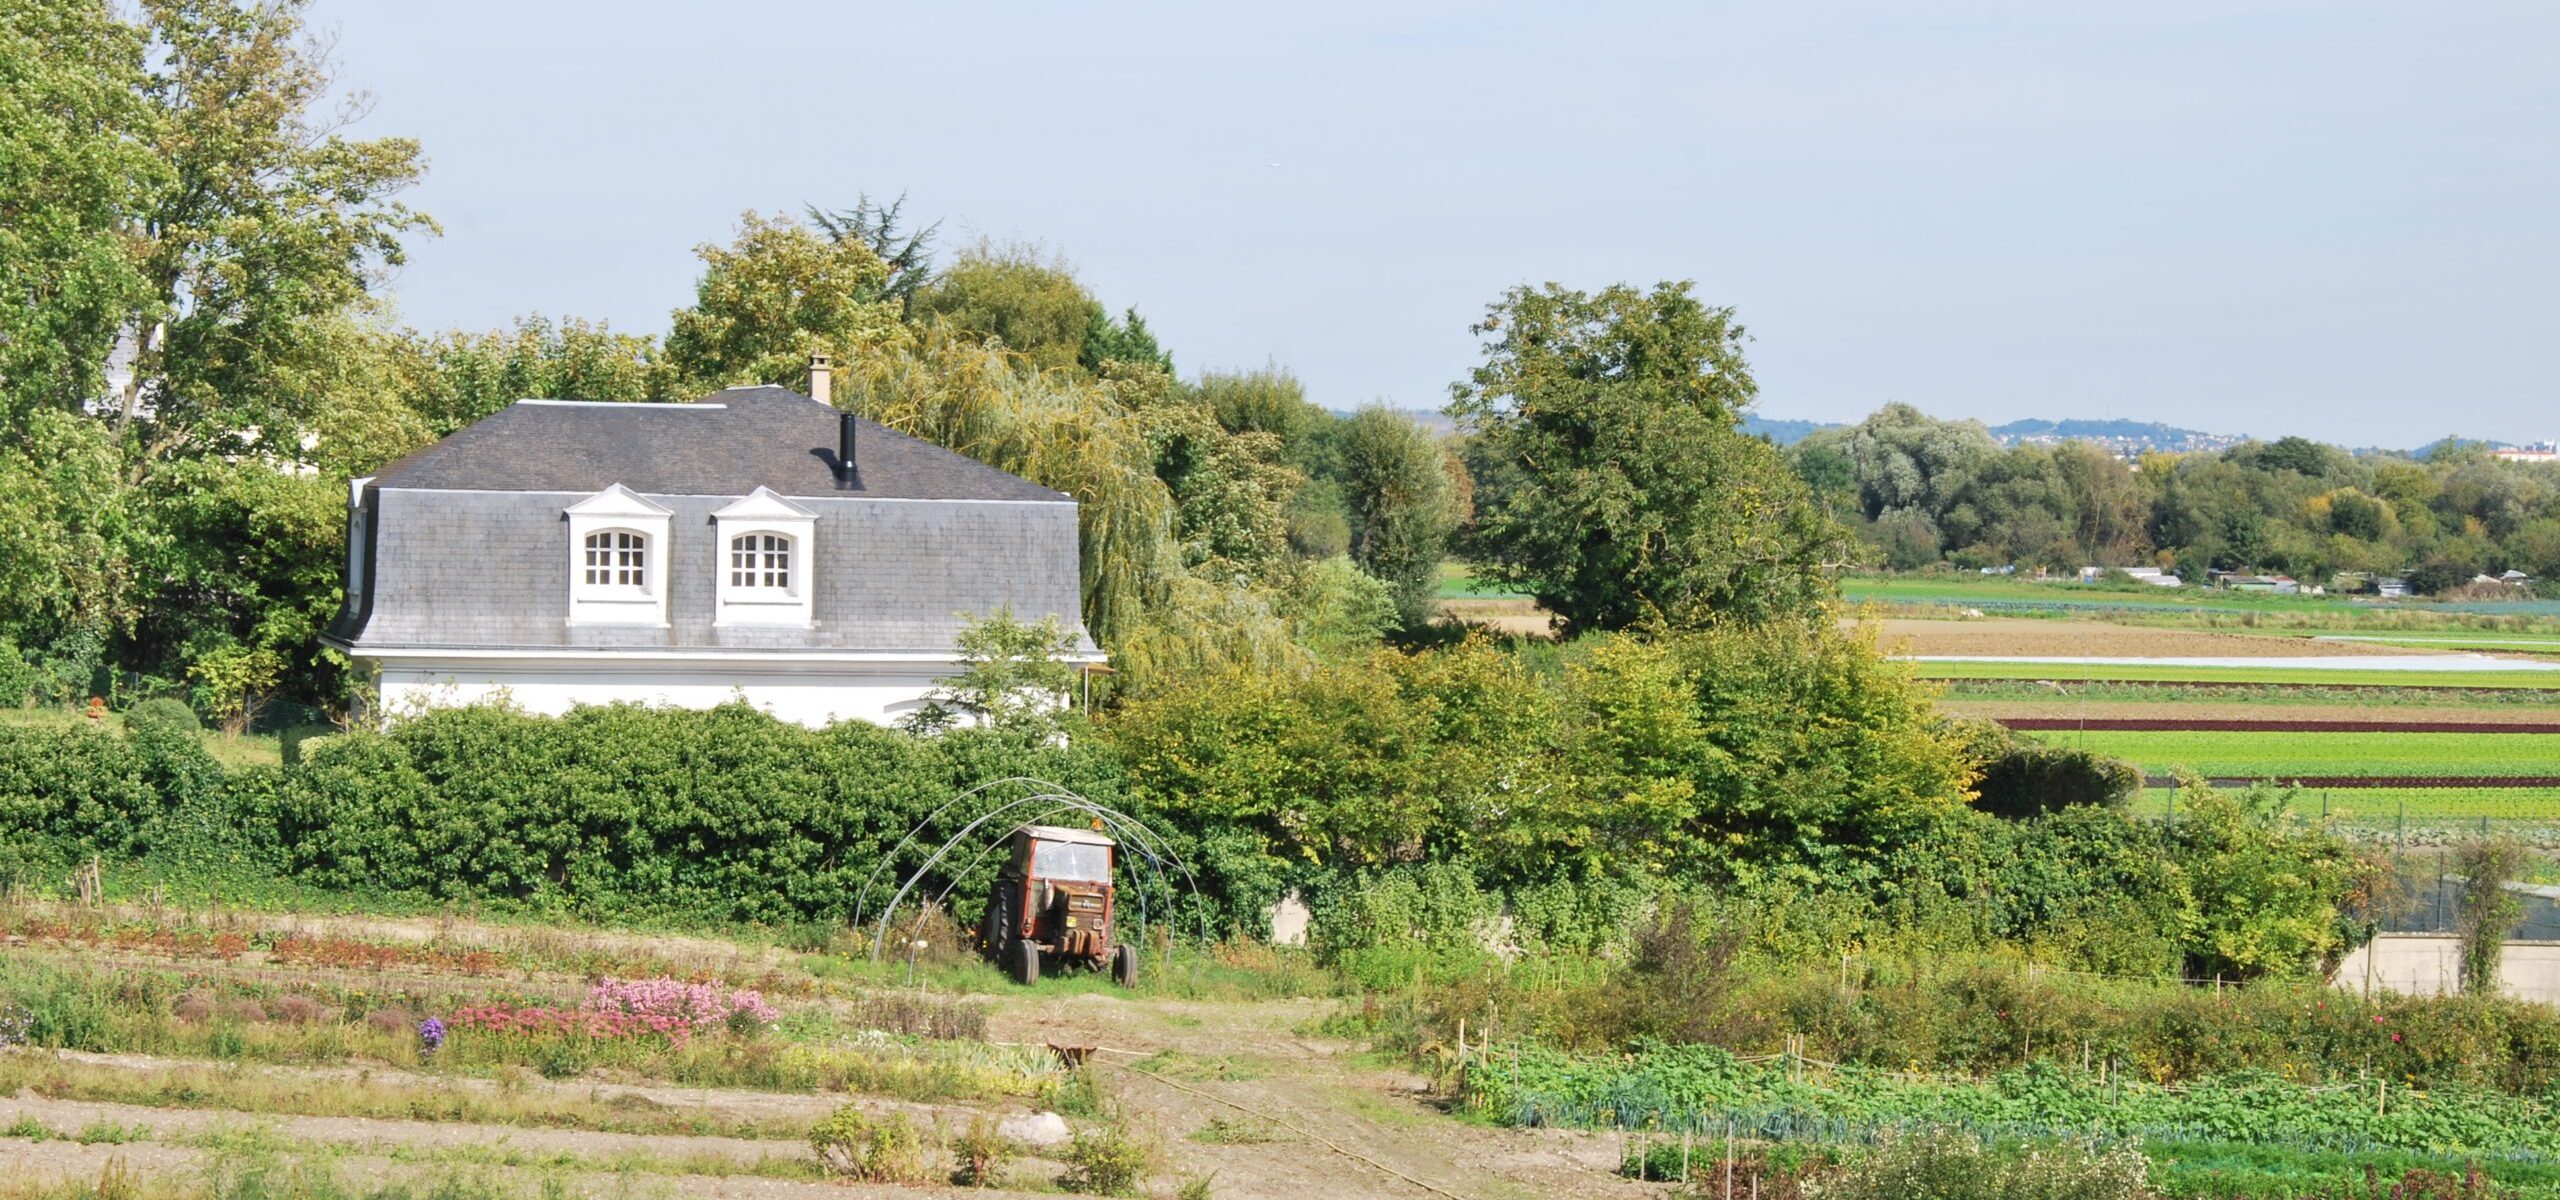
1061,833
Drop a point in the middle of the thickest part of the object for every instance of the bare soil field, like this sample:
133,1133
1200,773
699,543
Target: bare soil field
2027,637
1518,618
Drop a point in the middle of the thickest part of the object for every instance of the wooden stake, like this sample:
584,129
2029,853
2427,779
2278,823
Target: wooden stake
1728,1160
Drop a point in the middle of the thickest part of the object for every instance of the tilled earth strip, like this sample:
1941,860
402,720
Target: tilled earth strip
2268,725
2371,781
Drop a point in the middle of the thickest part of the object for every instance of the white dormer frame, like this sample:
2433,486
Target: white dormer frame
752,591
618,510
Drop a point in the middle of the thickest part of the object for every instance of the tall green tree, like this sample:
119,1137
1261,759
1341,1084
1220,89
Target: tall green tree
476,374
906,251
1628,491
780,293
271,220
1395,480
77,173
1018,296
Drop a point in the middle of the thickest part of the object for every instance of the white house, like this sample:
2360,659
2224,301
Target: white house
752,543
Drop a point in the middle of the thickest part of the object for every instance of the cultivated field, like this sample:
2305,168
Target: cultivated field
238,1042
2286,755
2031,637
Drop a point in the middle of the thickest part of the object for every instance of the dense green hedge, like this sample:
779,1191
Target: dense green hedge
727,814
1433,808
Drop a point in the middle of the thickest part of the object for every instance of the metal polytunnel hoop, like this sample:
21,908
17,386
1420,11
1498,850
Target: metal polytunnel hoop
1153,849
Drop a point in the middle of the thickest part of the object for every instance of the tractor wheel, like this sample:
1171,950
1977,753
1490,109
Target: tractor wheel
1026,961
1124,965
995,929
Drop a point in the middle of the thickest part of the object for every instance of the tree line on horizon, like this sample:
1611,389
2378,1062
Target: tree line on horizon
1920,492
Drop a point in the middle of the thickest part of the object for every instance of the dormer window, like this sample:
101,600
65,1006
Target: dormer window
766,576
617,541
760,561
618,558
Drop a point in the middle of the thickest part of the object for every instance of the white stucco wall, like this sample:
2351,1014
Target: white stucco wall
810,693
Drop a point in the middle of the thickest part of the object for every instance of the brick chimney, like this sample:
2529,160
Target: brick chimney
819,378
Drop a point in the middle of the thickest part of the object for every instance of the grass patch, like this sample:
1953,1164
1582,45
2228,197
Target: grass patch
1232,1131
1458,581
233,752
1174,1064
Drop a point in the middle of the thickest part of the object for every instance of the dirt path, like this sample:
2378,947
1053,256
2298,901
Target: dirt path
1262,1057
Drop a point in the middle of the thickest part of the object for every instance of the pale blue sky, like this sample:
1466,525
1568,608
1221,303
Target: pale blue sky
2253,216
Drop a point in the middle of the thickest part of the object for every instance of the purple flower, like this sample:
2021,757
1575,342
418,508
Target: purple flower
431,1034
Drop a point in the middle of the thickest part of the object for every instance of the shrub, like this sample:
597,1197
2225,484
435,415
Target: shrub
1105,1161
2029,781
980,1153
19,679
2489,911
1950,1166
291,741
872,1150
163,715
82,788
942,1018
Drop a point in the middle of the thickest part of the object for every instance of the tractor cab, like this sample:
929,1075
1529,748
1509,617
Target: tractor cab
1055,899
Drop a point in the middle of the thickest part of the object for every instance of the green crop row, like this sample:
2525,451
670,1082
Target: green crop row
1702,1088
2369,806
2272,755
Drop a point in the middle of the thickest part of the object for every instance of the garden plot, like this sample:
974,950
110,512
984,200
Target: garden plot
2341,759
175,1043
2002,638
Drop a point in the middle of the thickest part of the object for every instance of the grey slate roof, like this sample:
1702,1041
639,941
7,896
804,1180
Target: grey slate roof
465,544
726,444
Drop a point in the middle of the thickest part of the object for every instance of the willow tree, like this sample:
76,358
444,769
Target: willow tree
998,408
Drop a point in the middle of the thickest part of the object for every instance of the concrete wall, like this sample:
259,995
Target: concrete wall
2430,964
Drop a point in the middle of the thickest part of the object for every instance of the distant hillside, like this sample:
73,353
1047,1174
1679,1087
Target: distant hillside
1784,433
2122,436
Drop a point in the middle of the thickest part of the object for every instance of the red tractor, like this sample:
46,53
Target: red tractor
1055,899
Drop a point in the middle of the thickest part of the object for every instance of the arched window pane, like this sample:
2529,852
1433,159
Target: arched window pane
616,558
760,560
